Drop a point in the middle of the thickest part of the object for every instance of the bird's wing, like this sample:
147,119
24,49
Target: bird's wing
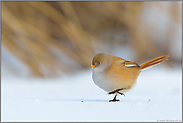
128,64
131,64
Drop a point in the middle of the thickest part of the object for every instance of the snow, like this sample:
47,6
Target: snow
157,96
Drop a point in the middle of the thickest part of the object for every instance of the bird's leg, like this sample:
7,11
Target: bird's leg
121,93
117,91
114,99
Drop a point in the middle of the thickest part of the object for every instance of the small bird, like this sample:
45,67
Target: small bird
117,75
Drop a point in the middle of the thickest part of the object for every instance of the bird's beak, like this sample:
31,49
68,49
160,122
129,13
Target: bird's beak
93,66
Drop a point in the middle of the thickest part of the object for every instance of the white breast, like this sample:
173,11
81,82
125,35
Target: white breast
100,80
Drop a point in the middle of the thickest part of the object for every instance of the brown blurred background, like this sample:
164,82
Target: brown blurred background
51,39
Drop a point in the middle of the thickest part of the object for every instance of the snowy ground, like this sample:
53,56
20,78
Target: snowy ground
157,96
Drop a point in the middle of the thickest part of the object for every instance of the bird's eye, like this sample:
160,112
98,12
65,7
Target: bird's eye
97,63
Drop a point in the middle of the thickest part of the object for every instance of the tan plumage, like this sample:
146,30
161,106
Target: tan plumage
117,75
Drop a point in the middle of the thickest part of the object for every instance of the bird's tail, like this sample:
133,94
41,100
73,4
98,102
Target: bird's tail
154,61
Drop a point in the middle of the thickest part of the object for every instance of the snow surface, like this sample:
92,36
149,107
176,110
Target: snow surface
157,96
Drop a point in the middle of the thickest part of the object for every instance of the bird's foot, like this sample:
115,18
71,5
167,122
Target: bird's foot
114,99
117,91
121,93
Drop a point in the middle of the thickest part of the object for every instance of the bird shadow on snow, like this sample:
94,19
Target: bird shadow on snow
92,100
80,100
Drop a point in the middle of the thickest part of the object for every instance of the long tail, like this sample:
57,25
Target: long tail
154,61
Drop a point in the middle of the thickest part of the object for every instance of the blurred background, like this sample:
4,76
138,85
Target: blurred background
53,39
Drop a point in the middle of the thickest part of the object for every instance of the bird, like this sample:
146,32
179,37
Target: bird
116,75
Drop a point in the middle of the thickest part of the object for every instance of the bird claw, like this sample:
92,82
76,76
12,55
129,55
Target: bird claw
114,100
121,93
117,91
